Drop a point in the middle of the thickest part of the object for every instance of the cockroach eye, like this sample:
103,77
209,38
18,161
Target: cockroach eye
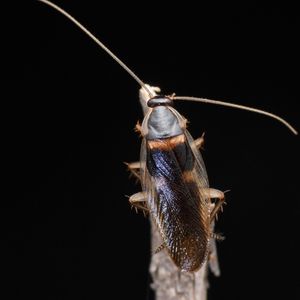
160,101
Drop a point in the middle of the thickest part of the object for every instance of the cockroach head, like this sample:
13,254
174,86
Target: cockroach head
160,101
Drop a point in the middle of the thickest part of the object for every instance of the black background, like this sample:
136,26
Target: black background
68,113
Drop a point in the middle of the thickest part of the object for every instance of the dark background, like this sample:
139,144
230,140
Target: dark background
68,113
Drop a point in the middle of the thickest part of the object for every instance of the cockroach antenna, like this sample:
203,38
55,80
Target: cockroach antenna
238,106
97,41
150,93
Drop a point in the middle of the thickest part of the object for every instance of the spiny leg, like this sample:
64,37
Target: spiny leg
134,168
215,194
160,248
213,234
138,201
199,142
213,261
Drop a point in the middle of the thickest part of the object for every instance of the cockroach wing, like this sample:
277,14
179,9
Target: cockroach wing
203,184
199,171
174,180
199,166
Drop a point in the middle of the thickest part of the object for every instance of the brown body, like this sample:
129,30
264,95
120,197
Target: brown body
173,177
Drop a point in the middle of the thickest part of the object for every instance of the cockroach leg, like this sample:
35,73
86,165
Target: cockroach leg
217,236
134,168
138,128
138,201
215,194
199,142
159,248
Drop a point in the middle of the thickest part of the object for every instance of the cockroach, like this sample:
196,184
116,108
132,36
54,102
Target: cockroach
175,188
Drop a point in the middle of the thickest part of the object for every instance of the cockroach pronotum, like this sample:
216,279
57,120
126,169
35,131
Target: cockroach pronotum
175,189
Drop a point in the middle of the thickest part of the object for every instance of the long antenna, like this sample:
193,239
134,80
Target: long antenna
238,106
144,86
97,41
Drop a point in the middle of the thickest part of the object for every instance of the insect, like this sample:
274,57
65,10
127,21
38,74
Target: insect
175,188
175,185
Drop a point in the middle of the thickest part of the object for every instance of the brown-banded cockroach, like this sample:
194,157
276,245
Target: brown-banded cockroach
175,184
172,173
